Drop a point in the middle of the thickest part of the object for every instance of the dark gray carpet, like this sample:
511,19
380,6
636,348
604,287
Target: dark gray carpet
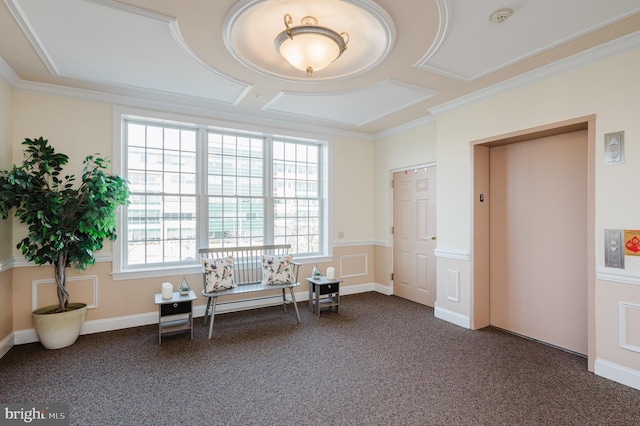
382,361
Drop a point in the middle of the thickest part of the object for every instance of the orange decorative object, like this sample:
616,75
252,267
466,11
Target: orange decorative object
631,243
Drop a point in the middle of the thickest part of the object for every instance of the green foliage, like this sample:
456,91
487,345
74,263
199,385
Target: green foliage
66,224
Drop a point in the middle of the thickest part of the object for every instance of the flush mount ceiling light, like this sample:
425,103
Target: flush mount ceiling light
251,26
310,47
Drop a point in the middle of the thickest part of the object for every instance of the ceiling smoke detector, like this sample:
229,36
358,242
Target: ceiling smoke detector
501,15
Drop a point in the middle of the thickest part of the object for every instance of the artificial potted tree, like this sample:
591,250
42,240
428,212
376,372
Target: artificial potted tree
67,224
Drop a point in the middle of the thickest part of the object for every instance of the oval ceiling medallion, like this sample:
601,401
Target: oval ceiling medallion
252,26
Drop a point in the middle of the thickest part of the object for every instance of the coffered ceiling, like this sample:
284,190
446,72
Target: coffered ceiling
187,55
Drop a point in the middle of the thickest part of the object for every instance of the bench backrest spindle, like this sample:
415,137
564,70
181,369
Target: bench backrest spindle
247,260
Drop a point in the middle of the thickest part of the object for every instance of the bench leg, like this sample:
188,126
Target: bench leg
295,305
206,311
284,300
213,315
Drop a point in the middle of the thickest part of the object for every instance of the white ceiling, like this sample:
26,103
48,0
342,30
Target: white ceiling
173,54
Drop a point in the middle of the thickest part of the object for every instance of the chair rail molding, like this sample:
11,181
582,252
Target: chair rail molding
618,275
452,253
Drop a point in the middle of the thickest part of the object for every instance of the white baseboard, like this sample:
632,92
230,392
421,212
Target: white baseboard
617,373
452,317
384,289
21,337
96,326
6,344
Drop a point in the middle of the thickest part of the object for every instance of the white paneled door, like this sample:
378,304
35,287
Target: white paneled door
414,237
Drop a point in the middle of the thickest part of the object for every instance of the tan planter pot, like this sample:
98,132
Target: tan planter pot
59,330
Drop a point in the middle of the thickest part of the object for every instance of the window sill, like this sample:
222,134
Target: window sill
156,272
182,270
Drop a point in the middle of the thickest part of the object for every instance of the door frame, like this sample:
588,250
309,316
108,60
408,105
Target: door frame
479,309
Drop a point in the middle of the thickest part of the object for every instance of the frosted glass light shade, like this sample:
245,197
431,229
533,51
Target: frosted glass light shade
310,50
309,47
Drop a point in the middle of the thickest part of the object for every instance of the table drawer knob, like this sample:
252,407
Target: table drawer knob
175,305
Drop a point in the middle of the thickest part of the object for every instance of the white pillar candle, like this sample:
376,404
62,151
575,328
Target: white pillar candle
330,273
167,290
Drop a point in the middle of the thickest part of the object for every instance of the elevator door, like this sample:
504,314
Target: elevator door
538,239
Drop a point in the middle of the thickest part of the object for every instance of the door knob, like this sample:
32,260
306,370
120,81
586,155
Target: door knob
432,237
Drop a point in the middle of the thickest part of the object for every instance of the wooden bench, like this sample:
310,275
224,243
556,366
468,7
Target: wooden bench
247,274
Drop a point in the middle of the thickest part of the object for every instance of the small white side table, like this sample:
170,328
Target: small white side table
175,314
328,289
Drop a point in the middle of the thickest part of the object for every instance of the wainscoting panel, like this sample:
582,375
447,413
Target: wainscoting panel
453,285
454,288
630,326
82,289
354,265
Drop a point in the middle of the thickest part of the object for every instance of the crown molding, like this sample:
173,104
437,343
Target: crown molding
6,264
148,99
7,75
590,56
429,119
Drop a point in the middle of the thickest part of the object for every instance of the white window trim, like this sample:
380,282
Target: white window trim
119,167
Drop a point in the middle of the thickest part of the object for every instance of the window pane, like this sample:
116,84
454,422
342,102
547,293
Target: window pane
188,140
172,139
154,137
136,135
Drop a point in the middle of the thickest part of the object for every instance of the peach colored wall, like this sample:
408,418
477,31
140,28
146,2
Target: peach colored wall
112,298
352,192
6,304
76,128
383,258
123,298
611,315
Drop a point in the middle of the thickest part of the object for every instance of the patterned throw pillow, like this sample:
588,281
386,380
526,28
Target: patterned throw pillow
218,274
277,270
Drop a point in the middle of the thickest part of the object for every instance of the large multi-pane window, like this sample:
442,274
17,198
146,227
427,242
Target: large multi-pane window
194,186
